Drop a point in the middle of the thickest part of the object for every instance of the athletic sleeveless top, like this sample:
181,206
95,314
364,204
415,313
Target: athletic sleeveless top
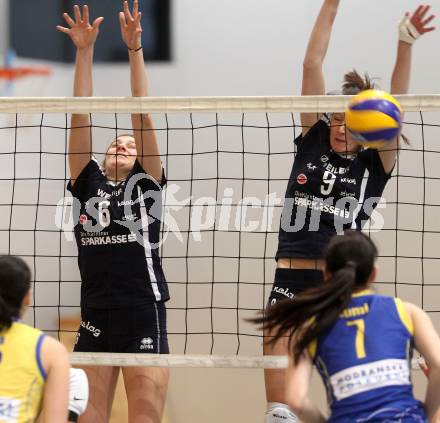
117,233
22,376
327,193
364,360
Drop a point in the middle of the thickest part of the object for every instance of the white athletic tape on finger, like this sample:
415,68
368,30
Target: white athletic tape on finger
407,31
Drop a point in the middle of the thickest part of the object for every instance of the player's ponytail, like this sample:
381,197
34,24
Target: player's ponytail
5,314
354,83
15,281
349,263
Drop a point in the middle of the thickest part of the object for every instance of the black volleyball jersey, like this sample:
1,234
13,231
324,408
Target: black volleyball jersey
327,193
117,232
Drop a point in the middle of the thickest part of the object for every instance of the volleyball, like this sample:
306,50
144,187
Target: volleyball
373,117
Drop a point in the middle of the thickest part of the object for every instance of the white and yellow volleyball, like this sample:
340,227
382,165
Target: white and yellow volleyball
373,117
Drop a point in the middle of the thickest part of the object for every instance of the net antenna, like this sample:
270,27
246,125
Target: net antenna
9,73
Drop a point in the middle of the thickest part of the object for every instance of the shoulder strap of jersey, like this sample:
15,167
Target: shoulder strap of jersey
404,316
312,348
38,356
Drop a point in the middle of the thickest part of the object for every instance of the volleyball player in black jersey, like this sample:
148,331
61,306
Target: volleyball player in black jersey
334,184
123,287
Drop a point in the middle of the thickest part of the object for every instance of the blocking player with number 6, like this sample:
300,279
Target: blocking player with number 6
123,289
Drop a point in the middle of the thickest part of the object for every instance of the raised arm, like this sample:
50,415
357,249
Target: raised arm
83,35
427,343
313,78
144,133
410,28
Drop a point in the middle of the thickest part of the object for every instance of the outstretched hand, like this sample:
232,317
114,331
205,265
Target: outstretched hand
82,33
420,20
131,29
413,26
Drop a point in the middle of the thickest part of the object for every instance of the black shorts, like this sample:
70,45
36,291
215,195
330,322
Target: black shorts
290,282
140,329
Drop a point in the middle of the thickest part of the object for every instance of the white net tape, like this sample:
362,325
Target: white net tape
319,104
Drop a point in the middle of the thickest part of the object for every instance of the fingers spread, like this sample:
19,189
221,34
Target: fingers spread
122,21
127,12
62,29
77,14
97,22
68,19
424,11
418,11
86,14
427,20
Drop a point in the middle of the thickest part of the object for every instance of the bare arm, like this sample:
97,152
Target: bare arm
401,76
83,35
313,77
55,361
297,390
144,134
427,343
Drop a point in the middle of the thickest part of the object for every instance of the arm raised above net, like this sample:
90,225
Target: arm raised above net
83,35
313,78
144,133
410,28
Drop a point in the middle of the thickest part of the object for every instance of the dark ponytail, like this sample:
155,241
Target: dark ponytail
15,282
349,261
5,314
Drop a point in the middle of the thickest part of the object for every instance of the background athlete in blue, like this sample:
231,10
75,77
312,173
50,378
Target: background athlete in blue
361,342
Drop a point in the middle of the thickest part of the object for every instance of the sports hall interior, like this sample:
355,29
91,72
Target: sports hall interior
249,48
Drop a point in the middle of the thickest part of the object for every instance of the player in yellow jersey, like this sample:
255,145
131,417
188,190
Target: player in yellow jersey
34,368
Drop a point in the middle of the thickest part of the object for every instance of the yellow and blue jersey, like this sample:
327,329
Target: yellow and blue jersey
364,360
22,376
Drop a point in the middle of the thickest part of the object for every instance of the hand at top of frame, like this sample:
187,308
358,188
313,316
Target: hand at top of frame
413,26
82,33
131,29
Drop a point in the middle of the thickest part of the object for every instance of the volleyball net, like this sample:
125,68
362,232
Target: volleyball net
227,162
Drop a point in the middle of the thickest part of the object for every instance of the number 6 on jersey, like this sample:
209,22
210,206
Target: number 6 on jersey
104,214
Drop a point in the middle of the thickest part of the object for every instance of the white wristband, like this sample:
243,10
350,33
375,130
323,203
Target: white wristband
407,31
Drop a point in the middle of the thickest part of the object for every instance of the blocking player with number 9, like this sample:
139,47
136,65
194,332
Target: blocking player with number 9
334,184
